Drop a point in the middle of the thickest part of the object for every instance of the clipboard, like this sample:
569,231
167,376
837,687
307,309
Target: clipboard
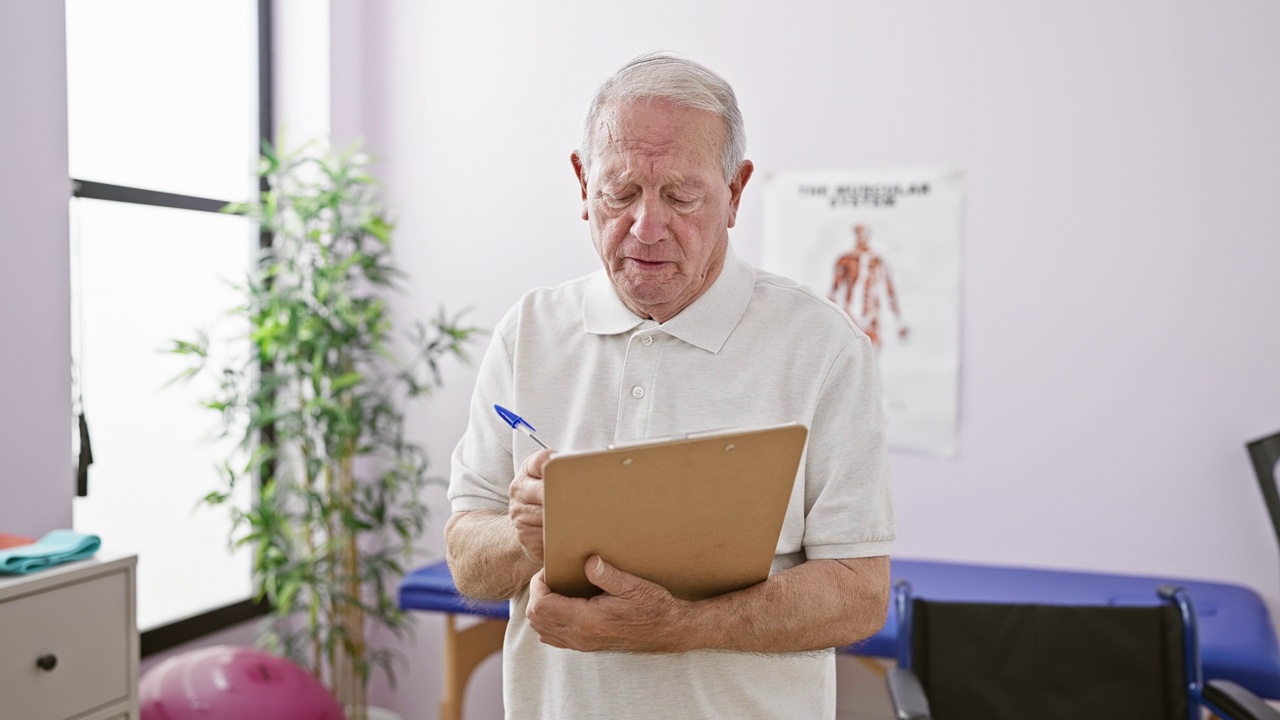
699,516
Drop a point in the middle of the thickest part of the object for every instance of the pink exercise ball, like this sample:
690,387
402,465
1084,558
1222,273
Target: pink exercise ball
233,683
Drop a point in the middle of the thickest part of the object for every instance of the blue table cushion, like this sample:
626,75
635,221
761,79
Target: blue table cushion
1237,640
431,588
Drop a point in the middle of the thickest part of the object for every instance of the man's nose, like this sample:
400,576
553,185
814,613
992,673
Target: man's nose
649,225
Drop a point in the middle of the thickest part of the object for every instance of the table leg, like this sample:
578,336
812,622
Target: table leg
464,650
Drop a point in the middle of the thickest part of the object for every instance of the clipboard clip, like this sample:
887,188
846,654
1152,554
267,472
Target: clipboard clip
673,437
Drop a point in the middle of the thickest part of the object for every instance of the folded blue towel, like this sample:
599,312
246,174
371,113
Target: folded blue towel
55,548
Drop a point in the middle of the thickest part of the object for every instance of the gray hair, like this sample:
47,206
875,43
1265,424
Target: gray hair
665,76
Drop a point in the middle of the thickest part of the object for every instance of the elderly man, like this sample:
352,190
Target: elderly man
676,334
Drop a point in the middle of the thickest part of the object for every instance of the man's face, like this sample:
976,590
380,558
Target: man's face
659,206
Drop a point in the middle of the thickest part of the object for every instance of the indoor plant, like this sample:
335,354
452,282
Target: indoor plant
336,486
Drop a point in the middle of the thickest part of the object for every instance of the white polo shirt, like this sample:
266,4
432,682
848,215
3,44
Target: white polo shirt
755,349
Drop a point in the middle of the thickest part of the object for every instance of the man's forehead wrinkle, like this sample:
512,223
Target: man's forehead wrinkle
647,146
666,148
627,168
610,121
626,158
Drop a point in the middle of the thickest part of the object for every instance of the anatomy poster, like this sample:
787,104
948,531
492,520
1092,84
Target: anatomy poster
884,246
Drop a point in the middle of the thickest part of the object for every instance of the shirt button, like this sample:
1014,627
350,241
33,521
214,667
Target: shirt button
647,340
637,392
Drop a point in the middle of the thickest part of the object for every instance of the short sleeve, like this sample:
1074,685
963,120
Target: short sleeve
482,466
848,498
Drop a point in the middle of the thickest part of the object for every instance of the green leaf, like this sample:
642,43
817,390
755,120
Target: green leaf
378,228
216,497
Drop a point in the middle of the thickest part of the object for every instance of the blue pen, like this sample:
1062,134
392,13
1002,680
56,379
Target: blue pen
518,423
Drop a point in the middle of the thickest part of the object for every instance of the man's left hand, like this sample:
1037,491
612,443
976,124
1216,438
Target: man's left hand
632,614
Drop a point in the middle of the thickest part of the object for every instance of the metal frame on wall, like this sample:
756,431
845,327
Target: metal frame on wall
187,629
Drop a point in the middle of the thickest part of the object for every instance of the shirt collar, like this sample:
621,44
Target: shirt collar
602,310
706,323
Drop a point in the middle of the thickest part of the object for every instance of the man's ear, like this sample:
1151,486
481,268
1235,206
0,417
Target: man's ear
582,179
736,186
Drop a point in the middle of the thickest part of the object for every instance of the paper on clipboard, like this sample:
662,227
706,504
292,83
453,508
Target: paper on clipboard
699,516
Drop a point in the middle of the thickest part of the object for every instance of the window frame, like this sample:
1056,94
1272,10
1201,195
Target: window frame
184,630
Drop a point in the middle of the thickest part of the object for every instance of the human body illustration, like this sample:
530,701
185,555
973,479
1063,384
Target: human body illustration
861,274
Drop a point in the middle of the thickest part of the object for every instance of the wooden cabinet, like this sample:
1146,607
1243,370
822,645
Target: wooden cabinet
69,643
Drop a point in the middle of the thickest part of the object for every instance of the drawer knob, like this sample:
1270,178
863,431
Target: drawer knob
47,662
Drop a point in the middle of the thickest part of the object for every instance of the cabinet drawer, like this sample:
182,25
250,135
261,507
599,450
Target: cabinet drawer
83,625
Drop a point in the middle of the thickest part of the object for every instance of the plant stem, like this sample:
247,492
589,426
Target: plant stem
309,531
354,614
332,564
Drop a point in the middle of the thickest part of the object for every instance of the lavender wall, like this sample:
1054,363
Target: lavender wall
1120,305
1120,335
36,481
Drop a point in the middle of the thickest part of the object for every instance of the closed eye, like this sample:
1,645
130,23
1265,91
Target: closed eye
618,200
683,203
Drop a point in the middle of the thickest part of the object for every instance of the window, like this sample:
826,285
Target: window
168,103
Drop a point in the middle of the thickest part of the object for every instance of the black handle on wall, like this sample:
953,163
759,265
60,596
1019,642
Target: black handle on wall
47,662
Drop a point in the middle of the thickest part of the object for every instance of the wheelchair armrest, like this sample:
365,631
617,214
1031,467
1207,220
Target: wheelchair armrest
909,702
1236,702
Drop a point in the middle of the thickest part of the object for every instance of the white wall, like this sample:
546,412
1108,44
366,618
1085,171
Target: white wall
1120,304
36,473
302,88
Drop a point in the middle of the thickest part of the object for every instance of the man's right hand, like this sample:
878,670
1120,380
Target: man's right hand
525,504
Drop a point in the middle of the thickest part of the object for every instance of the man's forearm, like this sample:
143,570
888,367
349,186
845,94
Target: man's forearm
485,558
816,605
